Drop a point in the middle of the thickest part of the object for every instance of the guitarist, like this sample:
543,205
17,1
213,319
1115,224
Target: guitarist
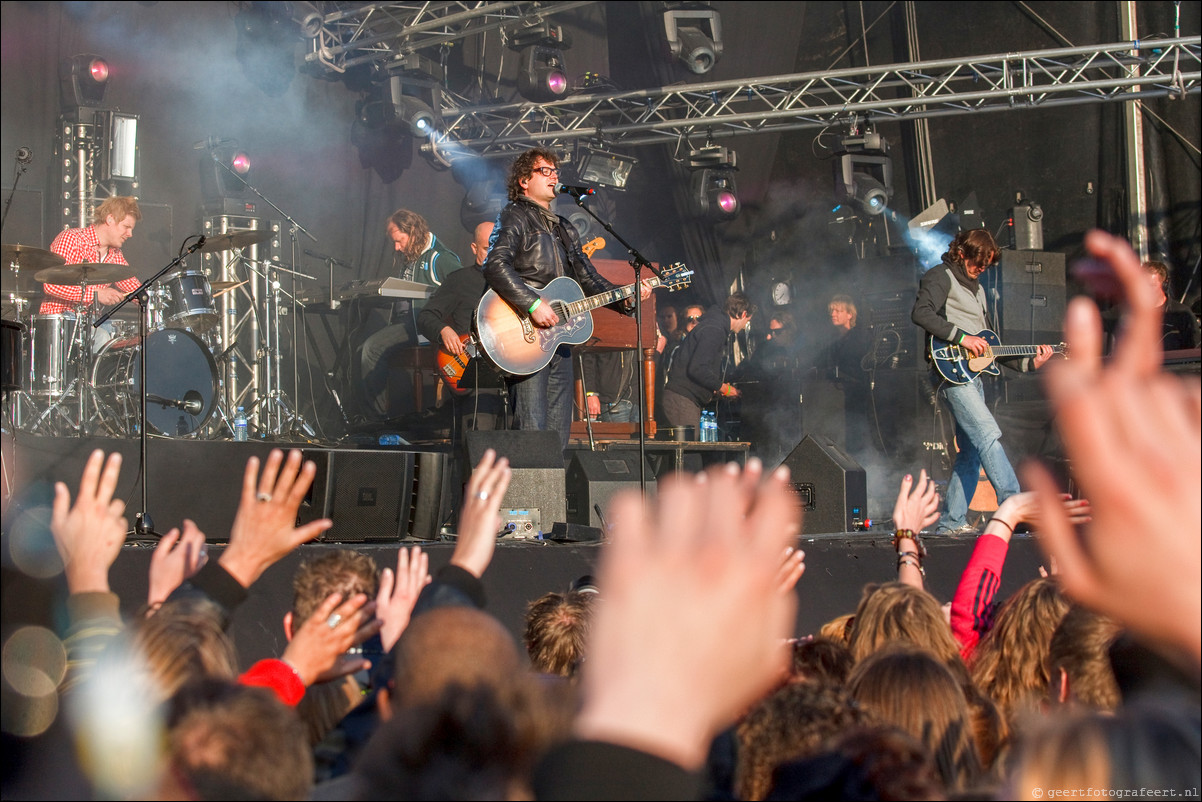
951,306
531,246
447,317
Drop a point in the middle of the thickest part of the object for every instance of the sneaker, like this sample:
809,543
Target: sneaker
963,529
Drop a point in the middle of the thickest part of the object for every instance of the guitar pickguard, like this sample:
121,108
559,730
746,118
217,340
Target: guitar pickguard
550,339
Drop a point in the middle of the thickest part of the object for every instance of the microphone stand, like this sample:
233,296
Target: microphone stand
637,262
143,523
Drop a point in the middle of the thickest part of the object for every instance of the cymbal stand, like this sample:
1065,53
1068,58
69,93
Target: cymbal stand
280,417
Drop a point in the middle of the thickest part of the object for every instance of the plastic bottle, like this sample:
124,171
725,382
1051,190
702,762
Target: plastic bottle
240,425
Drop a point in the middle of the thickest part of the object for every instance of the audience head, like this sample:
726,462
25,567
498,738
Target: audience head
910,689
1009,664
821,660
232,741
1078,661
183,641
342,571
556,631
895,611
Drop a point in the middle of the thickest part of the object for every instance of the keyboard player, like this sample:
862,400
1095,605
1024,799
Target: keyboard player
418,256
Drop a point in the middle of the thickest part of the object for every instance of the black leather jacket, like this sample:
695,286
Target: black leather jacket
525,250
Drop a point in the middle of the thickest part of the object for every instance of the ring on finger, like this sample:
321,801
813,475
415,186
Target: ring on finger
334,620
482,495
264,497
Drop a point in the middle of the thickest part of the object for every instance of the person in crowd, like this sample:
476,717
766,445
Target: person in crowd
530,247
557,628
423,259
1077,661
951,307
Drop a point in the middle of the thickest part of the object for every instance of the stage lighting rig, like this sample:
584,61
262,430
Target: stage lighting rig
715,196
83,79
604,168
542,76
864,172
694,34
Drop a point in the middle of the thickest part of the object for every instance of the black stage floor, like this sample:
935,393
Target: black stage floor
201,480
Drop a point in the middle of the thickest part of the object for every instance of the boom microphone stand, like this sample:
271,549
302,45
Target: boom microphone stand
143,523
638,263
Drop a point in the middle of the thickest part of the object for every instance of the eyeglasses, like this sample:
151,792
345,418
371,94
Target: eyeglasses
773,332
547,172
692,319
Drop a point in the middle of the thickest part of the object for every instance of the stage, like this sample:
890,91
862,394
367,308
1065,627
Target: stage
370,492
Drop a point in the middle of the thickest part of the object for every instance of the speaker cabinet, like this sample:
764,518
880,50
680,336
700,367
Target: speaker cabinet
536,459
832,486
594,477
1032,297
367,494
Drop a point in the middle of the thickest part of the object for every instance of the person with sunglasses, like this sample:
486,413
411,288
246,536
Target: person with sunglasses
532,245
951,306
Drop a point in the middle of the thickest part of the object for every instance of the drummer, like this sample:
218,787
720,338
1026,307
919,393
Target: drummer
112,224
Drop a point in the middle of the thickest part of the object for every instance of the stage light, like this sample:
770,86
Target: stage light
694,34
865,180
417,115
715,194
83,79
542,76
220,170
603,168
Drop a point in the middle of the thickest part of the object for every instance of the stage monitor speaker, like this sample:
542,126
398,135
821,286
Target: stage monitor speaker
594,477
536,459
832,486
1032,297
367,494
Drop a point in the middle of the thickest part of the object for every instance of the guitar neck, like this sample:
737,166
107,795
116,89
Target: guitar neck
604,299
1000,351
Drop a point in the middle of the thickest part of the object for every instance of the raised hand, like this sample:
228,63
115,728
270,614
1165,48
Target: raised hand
917,505
317,652
175,559
480,515
705,557
265,528
89,533
398,593
1133,434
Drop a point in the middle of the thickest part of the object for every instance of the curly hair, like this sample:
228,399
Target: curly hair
340,571
1009,663
976,246
416,227
523,167
119,206
557,626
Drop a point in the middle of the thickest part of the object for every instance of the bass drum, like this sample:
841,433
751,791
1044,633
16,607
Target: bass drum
180,372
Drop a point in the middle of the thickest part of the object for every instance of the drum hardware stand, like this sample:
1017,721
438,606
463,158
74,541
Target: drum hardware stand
143,523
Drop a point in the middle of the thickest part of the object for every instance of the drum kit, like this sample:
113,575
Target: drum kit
64,376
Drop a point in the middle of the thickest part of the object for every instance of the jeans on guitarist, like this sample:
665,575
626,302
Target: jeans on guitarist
951,306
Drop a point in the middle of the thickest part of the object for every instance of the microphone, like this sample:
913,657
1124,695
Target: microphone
192,402
210,142
24,155
575,192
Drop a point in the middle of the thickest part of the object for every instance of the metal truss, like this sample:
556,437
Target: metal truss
346,35
1124,71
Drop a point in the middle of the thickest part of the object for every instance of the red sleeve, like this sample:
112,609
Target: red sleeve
279,677
972,606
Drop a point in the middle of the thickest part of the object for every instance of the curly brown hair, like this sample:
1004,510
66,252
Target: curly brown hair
340,571
523,167
416,227
976,246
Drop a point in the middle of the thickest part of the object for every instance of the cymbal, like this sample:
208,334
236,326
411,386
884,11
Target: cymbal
235,239
84,273
29,257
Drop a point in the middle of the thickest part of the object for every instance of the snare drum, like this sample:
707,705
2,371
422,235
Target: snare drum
53,345
188,302
178,367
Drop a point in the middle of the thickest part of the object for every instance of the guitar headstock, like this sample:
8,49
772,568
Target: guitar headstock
592,246
675,276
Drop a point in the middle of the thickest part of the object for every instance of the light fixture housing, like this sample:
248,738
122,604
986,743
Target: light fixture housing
865,180
694,34
83,80
220,170
542,76
715,195
603,168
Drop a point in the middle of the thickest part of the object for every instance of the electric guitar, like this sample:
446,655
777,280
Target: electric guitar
960,366
518,347
451,367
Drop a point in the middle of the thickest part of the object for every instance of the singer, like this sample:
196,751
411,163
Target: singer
530,246
112,224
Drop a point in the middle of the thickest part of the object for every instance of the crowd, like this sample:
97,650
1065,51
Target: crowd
676,674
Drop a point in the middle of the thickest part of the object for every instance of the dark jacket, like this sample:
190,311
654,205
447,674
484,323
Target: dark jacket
452,304
526,249
696,370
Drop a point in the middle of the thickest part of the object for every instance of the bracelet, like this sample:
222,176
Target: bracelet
534,305
911,562
906,534
1003,523
913,554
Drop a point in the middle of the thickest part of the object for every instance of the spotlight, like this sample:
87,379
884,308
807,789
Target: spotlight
220,171
694,34
604,168
83,79
417,115
864,180
542,76
715,194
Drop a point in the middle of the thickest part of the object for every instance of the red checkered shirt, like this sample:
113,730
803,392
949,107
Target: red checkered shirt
77,246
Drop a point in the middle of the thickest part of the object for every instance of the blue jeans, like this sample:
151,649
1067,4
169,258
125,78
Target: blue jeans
618,412
979,441
543,401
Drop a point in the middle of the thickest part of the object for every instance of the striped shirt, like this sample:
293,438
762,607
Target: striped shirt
79,246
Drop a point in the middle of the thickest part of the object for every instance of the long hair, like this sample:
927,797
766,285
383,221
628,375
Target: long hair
976,246
895,611
1009,664
415,226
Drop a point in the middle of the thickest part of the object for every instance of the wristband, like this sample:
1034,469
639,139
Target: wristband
906,534
1003,523
534,306
911,562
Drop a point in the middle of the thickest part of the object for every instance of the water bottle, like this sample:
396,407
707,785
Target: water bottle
713,426
240,425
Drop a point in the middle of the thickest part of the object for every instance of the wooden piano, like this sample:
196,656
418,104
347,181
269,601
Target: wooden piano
613,331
